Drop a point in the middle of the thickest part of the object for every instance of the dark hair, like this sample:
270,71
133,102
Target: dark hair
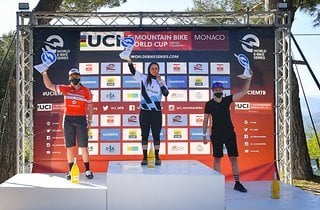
149,74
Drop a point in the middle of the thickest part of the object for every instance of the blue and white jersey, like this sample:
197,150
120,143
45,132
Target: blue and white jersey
150,97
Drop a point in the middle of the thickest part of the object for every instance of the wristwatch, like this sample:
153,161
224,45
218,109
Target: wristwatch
204,134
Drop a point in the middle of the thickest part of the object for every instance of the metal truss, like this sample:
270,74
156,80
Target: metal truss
280,20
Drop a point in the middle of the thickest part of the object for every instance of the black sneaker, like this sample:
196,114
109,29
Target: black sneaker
89,174
144,162
239,187
68,176
158,161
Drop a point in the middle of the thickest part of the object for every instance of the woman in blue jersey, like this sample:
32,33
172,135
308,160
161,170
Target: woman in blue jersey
152,89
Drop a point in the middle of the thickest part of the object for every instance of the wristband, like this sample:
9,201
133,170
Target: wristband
89,121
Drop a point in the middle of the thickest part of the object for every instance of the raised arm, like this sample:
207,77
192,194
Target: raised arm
47,82
244,90
131,67
164,89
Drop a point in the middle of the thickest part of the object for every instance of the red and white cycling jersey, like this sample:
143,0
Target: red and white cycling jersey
75,101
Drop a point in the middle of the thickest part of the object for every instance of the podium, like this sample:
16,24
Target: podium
175,185
53,192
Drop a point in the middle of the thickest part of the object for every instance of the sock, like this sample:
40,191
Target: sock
145,154
236,178
156,153
70,165
86,165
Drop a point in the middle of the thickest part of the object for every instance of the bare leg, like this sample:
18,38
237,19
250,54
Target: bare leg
70,154
85,154
234,165
216,164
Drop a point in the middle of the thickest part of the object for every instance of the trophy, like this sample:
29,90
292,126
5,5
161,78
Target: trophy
244,62
48,58
127,43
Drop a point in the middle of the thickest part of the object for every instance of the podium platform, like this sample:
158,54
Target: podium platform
176,185
53,192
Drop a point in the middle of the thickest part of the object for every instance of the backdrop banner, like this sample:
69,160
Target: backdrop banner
190,60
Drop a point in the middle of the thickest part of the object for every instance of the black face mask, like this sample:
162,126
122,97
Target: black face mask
74,81
218,94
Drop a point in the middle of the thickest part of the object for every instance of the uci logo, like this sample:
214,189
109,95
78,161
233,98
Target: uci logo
242,106
44,107
107,40
249,42
101,41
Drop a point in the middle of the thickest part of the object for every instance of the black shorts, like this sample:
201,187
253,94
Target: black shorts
75,127
229,140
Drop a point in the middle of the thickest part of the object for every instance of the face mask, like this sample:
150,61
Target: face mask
74,81
218,94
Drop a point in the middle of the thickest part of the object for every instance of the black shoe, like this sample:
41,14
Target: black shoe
144,162
239,187
89,174
68,176
158,162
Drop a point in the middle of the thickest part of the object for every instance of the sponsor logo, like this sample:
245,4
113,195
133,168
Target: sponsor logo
198,67
110,119
44,107
110,67
132,119
177,134
132,134
55,43
242,106
257,92
177,119
132,148
177,148
249,42
110,148
97,41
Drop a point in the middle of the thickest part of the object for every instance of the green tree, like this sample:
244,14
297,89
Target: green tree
7,102
313,147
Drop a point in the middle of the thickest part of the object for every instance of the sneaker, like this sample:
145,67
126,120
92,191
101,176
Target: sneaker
89,174
144,162
239,187
68,176
158,161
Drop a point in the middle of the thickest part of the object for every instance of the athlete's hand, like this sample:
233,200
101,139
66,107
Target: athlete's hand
158,78
204,139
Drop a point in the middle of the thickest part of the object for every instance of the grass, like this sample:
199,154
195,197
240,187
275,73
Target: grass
311,186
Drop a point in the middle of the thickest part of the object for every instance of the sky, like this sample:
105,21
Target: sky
306,35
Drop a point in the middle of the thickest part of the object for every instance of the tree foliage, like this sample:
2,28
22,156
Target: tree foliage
87,6
313,147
